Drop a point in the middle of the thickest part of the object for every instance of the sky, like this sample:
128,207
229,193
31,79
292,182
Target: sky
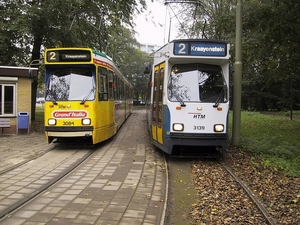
150,26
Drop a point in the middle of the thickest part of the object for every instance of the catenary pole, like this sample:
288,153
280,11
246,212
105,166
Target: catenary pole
237,78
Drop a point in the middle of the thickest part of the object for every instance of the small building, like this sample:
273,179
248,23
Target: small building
149,48
15,97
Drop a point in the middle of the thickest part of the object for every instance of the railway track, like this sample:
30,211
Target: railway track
223,198
124,177
32,177
251,194
122,182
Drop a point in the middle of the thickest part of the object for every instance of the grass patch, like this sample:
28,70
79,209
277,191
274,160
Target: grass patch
287,114
274,139
39,114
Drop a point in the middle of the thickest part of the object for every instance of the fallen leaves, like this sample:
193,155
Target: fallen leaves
222,201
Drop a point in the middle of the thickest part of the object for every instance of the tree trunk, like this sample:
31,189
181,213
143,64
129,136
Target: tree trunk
38,39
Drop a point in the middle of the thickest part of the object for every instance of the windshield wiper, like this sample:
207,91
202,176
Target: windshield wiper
50,95
175,95
88,95
219,97
179,100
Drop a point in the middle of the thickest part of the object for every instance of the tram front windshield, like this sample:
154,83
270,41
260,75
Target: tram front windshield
70,84
197,83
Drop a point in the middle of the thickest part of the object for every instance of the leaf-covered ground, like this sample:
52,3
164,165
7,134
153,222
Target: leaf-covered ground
222,201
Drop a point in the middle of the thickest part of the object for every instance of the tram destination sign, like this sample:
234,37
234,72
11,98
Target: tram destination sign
200,48
68,56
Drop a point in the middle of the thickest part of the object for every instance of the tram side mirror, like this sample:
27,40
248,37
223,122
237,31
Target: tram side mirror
147,67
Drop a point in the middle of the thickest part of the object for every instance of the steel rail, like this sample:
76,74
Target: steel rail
251,194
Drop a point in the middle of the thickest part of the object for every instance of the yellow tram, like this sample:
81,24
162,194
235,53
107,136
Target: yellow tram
86,96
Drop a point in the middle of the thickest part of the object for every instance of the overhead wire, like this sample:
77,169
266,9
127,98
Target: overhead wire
168,4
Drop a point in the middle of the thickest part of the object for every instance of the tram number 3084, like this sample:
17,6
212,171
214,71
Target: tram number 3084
68,123
198,127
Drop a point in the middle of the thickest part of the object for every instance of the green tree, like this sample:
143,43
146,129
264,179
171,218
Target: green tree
130,59
270,46
271,40
28,27
207,19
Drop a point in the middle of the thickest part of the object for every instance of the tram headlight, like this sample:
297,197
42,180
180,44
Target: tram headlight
51,121
178,127
86,121
218,127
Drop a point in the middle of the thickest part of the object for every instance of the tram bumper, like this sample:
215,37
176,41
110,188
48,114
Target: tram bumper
68,132
192,139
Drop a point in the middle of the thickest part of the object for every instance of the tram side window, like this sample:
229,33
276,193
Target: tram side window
161,82
122,90
103,95
119,89
160,96
128,92
116,84
110,85
155,90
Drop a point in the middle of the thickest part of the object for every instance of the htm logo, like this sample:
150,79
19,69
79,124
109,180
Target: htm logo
199,116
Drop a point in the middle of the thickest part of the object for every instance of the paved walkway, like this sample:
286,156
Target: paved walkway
124,182
15,149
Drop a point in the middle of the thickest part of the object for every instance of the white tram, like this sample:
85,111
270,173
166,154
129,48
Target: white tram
188,101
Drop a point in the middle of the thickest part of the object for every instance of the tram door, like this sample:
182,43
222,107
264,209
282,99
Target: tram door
157,105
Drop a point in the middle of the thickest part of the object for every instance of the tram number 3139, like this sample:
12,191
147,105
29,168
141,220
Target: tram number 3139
198,127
